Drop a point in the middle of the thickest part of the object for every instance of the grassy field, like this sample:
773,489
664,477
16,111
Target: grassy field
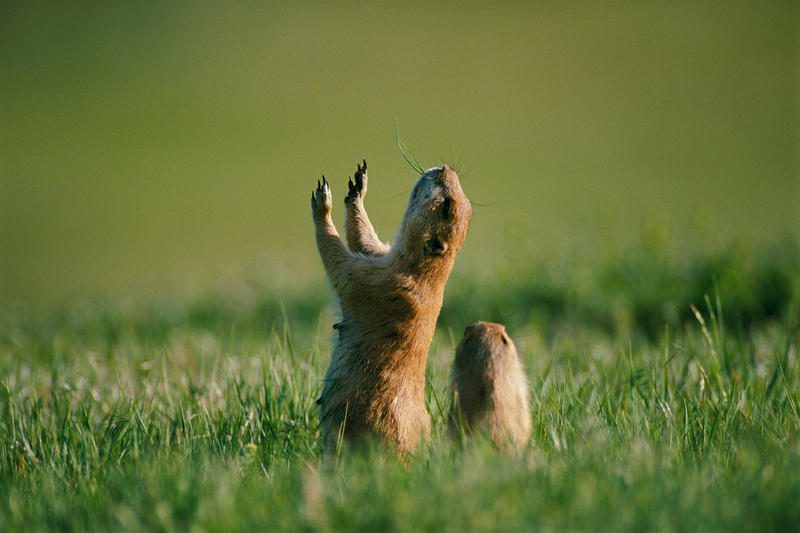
164,322
198,413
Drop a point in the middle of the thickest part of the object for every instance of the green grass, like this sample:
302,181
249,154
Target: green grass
198,412
150,146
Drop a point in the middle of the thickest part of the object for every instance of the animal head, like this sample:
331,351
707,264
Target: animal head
481,340
437,216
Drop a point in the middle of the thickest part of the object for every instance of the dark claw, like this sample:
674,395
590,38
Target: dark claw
355,183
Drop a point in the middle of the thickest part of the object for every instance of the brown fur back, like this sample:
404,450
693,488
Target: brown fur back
490,387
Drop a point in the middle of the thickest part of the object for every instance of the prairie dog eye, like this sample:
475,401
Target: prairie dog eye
446,207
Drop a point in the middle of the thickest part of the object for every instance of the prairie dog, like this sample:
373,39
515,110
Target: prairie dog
390,299
490,386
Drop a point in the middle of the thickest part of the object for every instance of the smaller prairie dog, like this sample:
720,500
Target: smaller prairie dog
490,388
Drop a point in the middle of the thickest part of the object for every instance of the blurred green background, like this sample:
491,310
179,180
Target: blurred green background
158,145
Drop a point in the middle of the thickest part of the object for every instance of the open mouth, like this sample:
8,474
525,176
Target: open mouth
435,246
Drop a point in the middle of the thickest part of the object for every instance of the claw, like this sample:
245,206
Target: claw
351,190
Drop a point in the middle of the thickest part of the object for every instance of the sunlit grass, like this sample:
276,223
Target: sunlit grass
202,412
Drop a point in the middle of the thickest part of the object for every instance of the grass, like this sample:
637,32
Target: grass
165,146
199,413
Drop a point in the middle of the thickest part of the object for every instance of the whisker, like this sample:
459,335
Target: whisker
456,162
464,172
404,192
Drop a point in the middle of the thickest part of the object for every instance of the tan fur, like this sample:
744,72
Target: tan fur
490,386
390,299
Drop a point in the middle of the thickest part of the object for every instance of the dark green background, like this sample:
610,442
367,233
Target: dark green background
156,145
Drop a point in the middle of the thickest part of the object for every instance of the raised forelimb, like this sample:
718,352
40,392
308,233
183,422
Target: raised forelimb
361,235
341,265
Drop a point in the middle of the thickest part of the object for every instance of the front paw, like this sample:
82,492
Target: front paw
321,199
357,186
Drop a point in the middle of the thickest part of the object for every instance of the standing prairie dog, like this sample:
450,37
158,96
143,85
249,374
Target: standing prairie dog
490,386
390,299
